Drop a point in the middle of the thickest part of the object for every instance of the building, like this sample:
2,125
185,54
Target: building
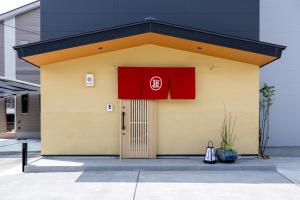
246,19
284,28
138,87
232,18
19,107
250,19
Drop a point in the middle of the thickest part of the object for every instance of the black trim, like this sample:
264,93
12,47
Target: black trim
12,89
270,61
22,88
146,27
28,62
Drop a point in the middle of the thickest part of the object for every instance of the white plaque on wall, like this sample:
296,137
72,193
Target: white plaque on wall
89,80
109,107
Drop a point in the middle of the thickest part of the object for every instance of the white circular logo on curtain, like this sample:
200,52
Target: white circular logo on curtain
155,83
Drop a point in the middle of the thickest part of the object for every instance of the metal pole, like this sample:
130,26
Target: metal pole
24,155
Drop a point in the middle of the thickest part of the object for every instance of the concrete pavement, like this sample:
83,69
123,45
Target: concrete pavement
144,185
280,184
10,154
100,163
215,186
13,146
54,186
12,163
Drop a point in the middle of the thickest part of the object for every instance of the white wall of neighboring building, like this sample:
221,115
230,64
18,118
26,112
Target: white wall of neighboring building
9,52
280,24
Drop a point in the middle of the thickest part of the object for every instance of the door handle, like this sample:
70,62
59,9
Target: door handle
123,120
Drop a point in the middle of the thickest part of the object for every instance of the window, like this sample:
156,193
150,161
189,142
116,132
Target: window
25,103
10,113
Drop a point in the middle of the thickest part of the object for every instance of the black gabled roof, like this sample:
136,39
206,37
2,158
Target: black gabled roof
151,26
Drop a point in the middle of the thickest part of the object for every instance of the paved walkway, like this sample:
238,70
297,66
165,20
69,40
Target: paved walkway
97,163
286,166
11,157
283,184
149,185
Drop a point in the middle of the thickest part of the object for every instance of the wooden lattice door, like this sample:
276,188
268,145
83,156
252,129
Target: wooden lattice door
138,129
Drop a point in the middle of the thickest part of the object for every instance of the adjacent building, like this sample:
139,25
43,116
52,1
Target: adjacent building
20,114
279,23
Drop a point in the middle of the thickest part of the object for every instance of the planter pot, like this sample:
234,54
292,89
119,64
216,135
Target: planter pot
226,156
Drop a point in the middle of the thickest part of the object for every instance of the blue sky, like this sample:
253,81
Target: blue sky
7,5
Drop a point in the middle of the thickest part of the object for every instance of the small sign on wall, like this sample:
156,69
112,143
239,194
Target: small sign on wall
89,80
109,107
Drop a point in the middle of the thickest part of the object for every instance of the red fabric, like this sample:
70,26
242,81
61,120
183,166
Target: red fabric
130,83
182,83
155,83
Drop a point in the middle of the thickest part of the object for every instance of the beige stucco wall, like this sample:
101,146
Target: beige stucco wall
74,118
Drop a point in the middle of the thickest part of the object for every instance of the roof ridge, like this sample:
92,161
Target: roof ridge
150,22
149,26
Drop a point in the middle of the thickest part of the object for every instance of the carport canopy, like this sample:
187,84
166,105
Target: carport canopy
10,87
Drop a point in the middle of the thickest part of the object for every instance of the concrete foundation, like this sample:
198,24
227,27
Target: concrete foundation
98,163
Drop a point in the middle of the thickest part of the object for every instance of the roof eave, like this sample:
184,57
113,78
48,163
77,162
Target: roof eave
146,27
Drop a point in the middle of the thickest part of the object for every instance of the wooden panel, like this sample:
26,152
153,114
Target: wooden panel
124,119
138,135
152,129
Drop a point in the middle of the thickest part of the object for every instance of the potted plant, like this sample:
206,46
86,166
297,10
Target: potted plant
226,152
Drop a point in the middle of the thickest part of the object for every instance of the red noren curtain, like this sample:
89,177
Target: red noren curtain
182,83
155,82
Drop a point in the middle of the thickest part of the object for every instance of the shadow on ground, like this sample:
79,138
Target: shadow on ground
246,177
